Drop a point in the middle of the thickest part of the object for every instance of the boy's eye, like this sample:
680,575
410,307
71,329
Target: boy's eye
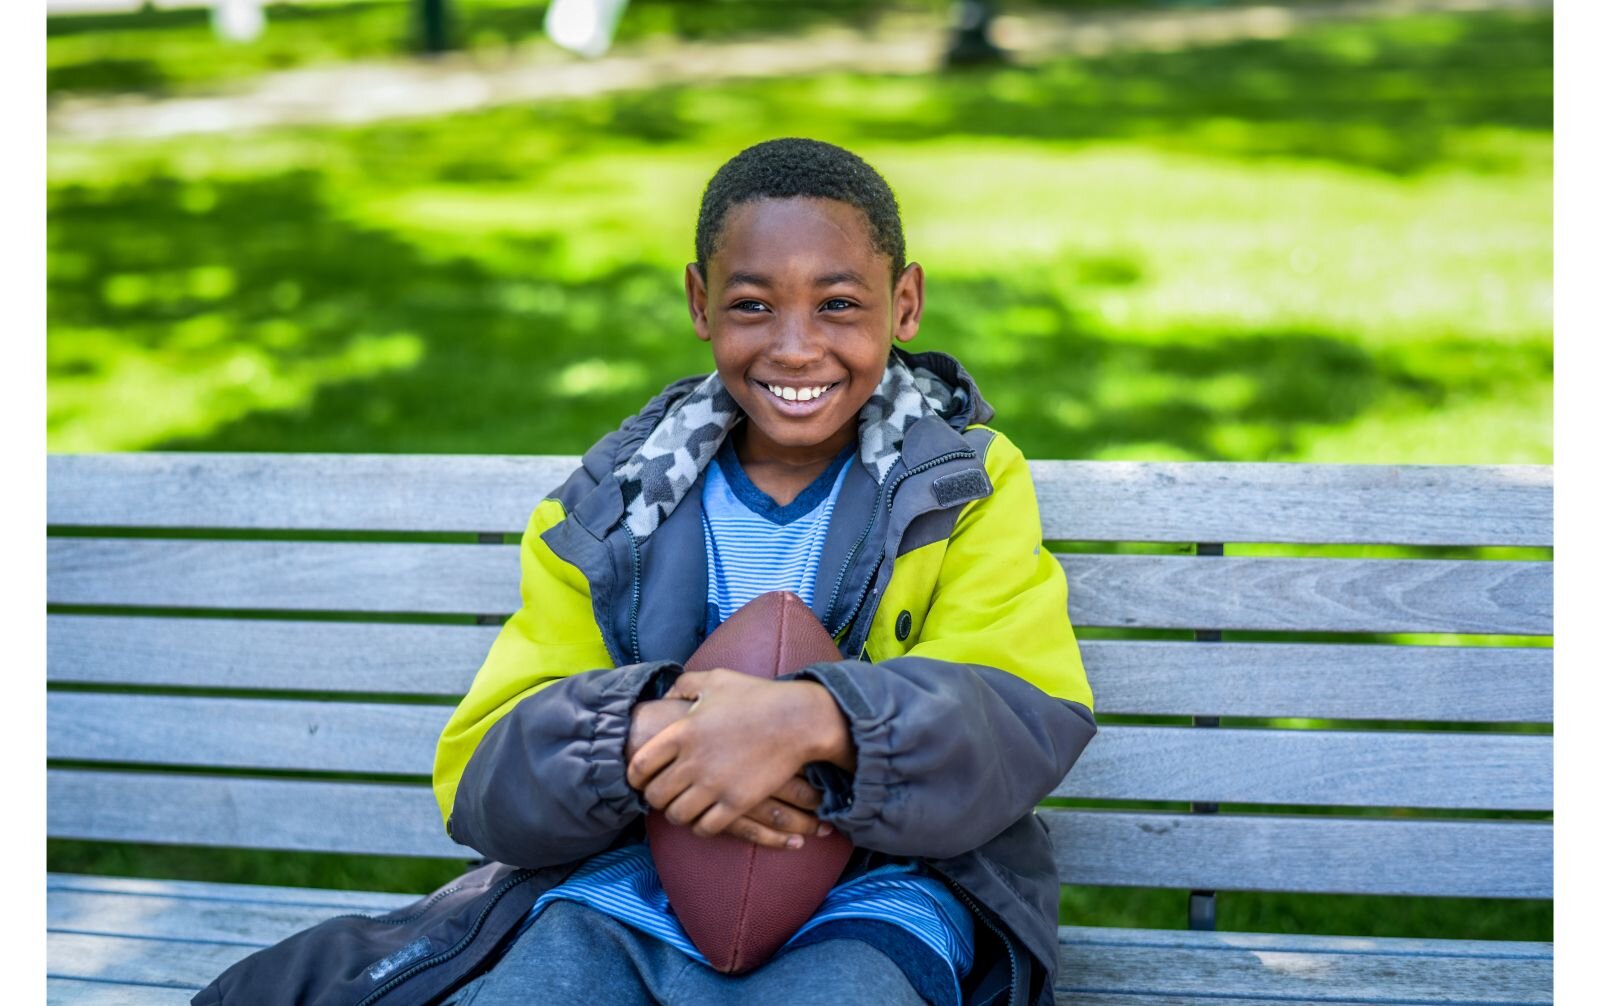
841,303
749,305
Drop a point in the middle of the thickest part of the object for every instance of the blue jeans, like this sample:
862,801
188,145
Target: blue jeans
574,954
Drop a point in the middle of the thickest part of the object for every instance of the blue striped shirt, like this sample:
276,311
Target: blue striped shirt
753,545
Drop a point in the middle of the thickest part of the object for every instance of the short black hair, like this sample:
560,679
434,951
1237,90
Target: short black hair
795,166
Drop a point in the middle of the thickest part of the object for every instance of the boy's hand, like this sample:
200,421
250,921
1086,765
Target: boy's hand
743,740
773,822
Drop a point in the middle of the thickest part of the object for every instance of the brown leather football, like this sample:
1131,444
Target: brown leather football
738,901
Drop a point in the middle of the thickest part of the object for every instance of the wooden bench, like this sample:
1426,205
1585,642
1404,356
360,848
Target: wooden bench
244,731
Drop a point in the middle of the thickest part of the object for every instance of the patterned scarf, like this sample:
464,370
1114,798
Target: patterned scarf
664,468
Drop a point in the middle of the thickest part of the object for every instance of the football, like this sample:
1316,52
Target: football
738,901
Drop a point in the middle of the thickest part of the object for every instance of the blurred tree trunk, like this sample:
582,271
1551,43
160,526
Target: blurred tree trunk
433,29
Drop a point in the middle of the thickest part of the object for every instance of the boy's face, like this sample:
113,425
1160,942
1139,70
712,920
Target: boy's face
800,310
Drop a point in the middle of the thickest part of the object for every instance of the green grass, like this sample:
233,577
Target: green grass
1298,256
1334,247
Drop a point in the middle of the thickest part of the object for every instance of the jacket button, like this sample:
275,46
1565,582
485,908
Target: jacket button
902,626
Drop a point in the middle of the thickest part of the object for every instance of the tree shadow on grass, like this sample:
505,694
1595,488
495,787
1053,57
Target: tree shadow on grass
1392,95
165,284
1387,94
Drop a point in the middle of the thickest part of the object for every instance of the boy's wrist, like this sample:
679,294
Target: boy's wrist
825,731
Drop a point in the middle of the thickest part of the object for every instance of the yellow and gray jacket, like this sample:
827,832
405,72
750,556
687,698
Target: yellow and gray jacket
963,686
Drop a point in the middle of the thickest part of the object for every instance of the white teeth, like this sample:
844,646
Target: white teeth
798,395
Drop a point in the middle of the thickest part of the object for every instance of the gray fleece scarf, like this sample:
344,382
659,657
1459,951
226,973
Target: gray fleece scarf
656,478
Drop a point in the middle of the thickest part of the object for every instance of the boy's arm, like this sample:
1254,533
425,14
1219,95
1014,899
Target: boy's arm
530,769
971,728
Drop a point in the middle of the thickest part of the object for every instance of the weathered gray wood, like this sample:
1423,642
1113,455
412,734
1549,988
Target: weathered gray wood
1079,500
1333,595
1315,767
82,992
235,922
1101,962
245,733
1209,851
1223,765
1133,591
1321,680
266,654
1124,961
1329,681
173,964
1279,502
1268,852
400,820
335,492
290,576
191,891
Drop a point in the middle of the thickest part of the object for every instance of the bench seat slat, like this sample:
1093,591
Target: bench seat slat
1143,849
85,992
173,964
1320,680
100,935
1224,765
318,898
1078,500
1125,591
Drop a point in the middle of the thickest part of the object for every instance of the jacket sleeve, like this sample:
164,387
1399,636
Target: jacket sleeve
975,724
529,769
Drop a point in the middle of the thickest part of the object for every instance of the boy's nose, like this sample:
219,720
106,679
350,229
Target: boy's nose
796,344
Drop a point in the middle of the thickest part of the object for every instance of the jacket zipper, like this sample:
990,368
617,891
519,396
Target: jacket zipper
981,914
891,489
633,607
436,896
844,569
520,877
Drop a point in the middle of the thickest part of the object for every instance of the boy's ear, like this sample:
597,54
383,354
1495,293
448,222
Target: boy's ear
694,287
908,303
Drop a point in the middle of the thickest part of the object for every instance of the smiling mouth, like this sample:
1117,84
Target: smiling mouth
795,396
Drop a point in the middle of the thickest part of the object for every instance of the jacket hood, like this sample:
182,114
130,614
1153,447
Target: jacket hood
661,452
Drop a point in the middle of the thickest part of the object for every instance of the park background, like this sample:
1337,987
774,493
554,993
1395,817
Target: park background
1316,230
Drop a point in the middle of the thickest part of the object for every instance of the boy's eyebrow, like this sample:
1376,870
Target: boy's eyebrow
826,279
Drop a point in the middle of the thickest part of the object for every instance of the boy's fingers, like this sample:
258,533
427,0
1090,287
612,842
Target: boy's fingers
798,792
690,804
754,831
666,787
720,816
654,755
783,817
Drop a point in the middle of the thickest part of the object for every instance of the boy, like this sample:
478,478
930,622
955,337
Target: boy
819,458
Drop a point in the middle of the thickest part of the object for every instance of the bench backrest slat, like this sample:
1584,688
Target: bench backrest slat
1504,859
1327,767
1329,680
1121,591
1079,500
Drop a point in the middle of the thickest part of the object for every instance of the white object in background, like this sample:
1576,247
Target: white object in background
237,20
583,26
